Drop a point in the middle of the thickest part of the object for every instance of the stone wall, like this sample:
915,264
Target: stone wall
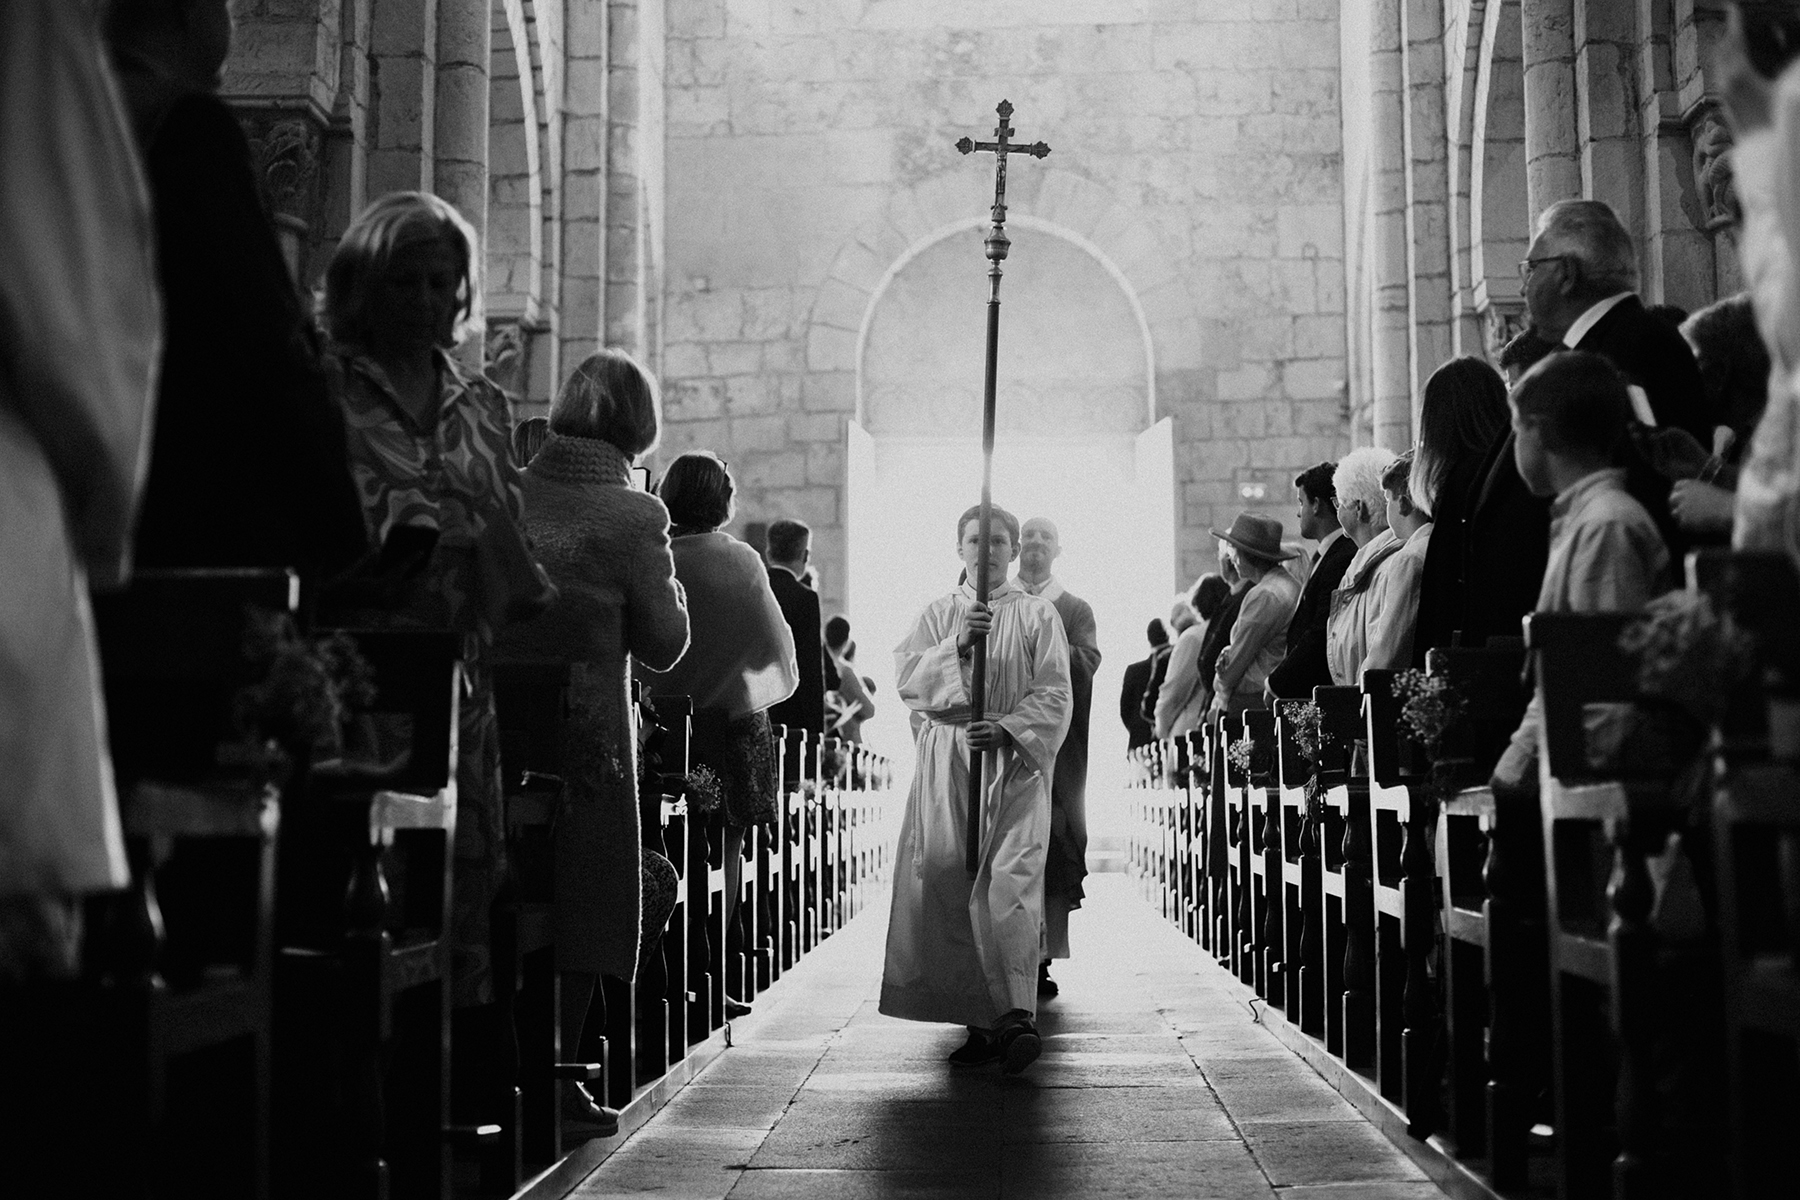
1196,156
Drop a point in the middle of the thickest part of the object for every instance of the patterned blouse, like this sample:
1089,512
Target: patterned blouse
455,476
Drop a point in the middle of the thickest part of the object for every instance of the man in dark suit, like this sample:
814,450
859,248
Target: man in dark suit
1138,731
789,548
1303,667
1580,279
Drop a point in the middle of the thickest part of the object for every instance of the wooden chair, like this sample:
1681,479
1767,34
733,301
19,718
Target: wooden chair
1215,869
662,994
1405,912
1244,930
1756,824
1607,990
363,919
669,1020
1266,857
1301,887
769,917
1167,899
173,1019
1489,862
1322,940
1192,834
532,701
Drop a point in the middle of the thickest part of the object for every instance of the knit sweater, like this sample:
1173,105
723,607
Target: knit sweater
607,548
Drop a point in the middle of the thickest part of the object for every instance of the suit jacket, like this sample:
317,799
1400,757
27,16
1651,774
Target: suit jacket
805,709
1506,544
1651,354
1131,703
1304,668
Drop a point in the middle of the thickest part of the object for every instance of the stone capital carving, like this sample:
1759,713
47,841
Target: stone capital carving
1711,139
1501,322
509,355
286,148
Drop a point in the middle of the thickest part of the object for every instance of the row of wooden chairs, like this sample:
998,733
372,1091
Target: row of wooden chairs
1589,987
267,1009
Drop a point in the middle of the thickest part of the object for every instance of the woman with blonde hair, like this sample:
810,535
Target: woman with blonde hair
431,452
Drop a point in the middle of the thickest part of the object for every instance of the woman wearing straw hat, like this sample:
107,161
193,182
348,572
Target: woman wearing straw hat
1253,544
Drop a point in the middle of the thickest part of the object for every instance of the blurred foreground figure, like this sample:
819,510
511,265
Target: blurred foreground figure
79,321
1765,113
249,466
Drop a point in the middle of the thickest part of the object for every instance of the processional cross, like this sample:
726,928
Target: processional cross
997,244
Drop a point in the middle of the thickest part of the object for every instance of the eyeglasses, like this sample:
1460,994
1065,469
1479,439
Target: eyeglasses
1526,264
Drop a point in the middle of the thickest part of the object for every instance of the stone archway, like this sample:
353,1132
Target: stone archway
1078,357
1070,205
1078,432
515,225
1499,213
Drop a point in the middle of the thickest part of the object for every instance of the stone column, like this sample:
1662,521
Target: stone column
1391,335
403,49
584,147
1612,164
283,80
460,164
1552,148
1428,195
624,290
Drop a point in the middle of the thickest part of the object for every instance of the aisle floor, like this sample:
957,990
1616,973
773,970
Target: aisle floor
1156,1081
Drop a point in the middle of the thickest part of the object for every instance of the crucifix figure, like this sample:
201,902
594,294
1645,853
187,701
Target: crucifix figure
997,244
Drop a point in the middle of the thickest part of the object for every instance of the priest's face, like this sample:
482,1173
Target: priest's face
1038,547
1000,550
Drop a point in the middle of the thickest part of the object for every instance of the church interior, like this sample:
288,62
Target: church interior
294,836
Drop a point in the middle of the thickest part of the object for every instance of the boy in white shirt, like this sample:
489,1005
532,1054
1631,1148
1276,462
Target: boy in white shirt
1569,414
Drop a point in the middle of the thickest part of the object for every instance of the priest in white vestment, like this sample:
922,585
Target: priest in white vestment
963,950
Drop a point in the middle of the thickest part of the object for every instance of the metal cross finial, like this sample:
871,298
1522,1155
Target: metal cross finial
997,242
997,245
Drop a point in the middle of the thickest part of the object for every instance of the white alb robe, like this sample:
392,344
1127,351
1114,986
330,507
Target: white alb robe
959,950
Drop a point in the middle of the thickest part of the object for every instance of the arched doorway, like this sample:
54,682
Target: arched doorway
1077,442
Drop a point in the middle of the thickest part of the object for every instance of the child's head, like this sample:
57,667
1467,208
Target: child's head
1396,485
1569,413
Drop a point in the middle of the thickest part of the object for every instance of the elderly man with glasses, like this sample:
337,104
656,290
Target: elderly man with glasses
1580,277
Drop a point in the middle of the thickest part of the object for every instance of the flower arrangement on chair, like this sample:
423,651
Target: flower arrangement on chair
310,687
1692,658
1429,706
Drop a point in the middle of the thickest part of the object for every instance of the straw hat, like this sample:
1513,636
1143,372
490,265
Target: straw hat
1257,536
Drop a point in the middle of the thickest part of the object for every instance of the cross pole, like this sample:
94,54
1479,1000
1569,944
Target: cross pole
997,244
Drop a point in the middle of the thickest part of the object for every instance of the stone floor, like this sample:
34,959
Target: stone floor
1156,1081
